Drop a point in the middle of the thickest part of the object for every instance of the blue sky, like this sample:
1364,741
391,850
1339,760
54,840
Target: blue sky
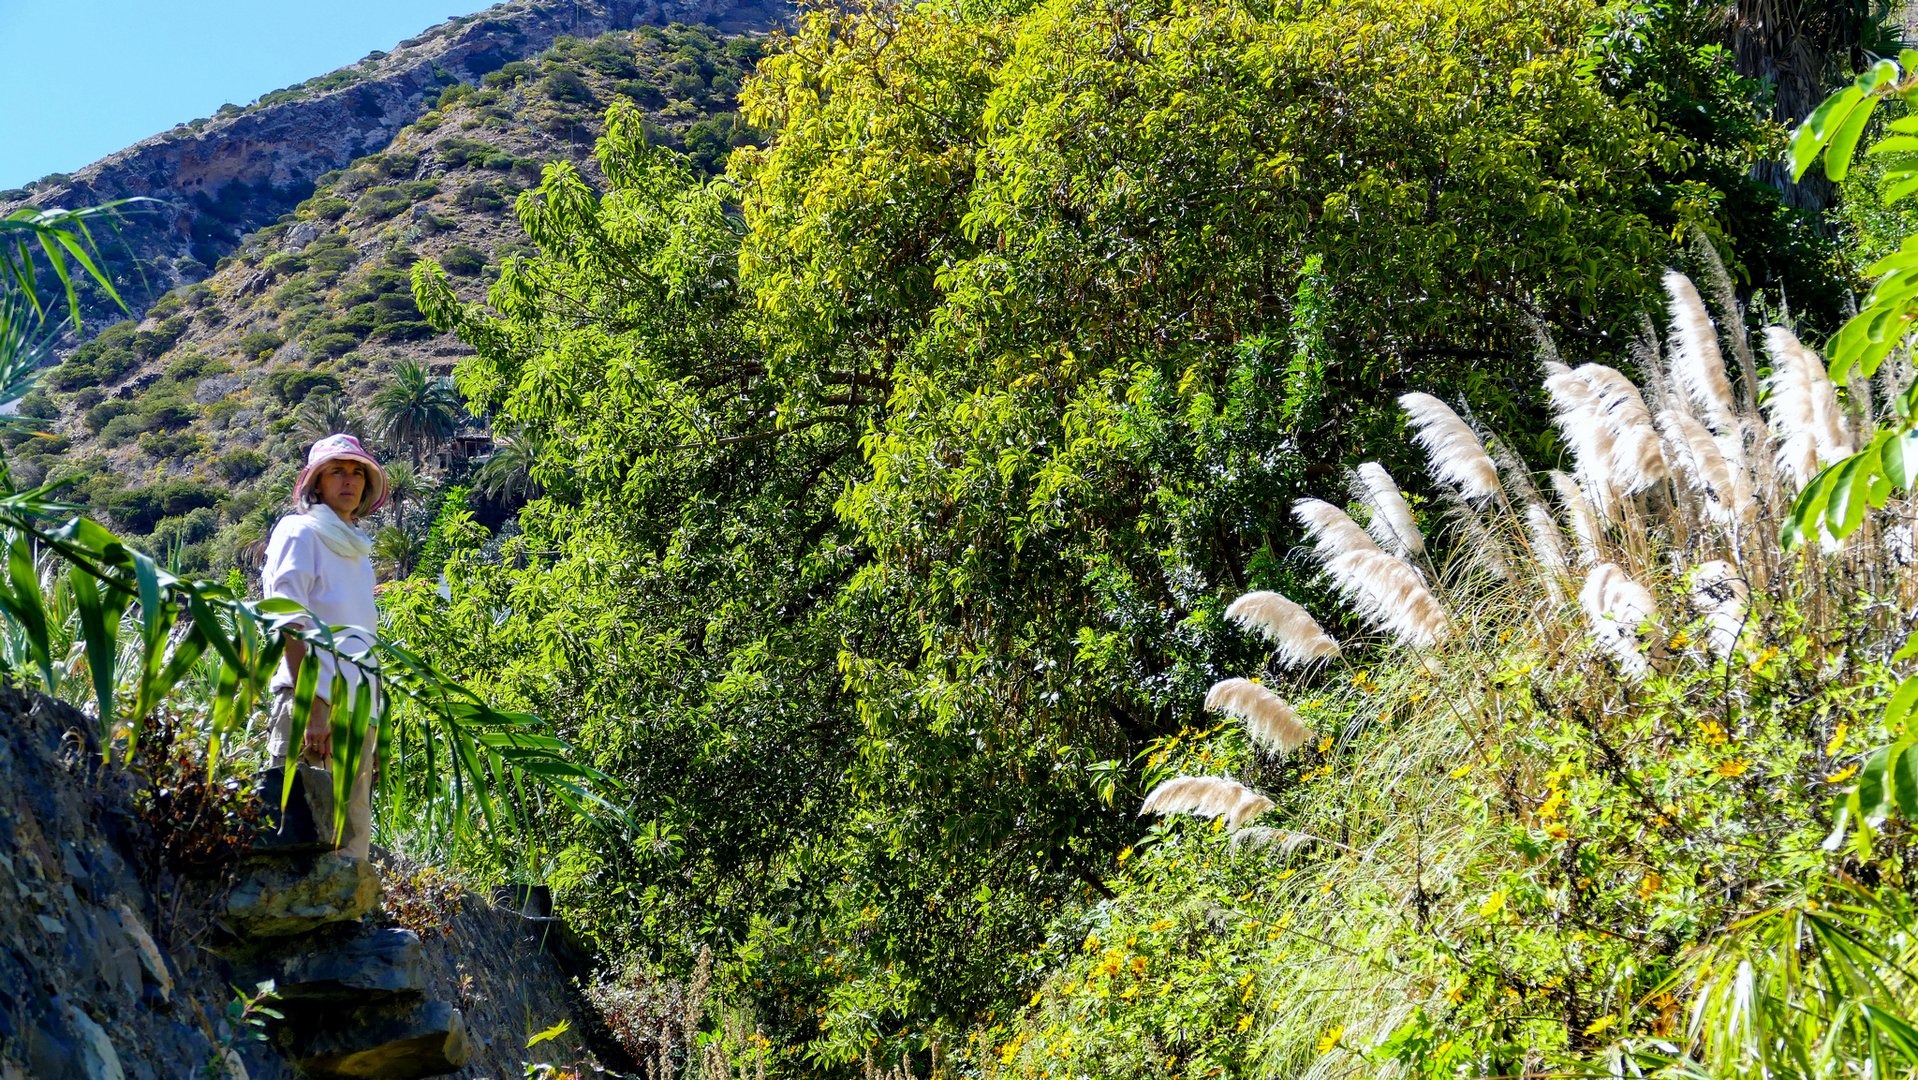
80,79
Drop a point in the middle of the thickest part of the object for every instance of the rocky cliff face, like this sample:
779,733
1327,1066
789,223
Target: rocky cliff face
117,965
218,179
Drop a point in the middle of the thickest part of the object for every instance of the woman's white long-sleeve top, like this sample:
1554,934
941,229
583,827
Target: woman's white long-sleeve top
336,589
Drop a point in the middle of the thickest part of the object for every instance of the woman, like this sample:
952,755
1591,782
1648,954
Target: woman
320,558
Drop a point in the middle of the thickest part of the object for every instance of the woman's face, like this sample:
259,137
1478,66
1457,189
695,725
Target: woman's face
341,484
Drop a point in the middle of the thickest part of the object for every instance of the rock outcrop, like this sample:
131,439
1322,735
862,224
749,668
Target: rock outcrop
118,968
215,180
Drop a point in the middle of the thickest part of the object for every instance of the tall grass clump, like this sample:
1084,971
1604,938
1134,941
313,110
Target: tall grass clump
1607,811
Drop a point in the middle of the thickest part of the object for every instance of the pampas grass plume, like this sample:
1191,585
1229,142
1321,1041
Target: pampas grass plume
1385,589
1636,461
1580,416
1206,796
1548,549
1804,408
1290,628
1616,605
1697,366
1269,719
1708,470
1392,524
1719,592
1578,509
1458,457
1332,530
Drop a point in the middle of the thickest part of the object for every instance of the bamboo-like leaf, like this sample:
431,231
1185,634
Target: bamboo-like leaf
99,633
304,686
226,698
22,603
340,724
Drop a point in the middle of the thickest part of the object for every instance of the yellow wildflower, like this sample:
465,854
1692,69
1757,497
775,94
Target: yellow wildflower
1245,1021
1650,885
1331,1038
1837,742
1600,1024
1553,804
1460,772
1843,774
1731,767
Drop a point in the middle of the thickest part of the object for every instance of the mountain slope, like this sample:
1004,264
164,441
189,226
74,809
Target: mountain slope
185,428
218,178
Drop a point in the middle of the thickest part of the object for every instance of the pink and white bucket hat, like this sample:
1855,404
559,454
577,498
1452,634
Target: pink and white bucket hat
333,448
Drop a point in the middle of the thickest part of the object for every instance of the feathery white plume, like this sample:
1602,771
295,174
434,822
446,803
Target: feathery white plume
1617,606
1269,719
1477,547
1636,461
1260,836
1580,417
1700,457
1386,591
1392,524
1206,796
1697,366
1548,549
1290,628
1578,510
1719,592
1804,408
1458,457
1332,530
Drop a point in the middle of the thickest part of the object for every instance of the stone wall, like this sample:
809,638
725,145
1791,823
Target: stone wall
110,965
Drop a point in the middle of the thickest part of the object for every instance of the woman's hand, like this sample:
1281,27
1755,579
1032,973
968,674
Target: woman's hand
317,744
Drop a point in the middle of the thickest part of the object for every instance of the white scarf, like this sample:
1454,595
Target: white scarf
342,539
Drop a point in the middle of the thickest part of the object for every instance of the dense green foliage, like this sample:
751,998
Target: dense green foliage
893,485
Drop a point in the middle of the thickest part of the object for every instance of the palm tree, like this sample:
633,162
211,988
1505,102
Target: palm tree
416,410
323,414
508,472
403,485
396,550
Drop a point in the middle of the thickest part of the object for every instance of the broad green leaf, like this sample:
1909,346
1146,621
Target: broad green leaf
1895,144
1848,494
1872,780
1898,710
1899,457
1903,779
1845,139
1817,130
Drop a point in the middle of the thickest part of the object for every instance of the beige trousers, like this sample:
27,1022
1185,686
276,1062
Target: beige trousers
316,775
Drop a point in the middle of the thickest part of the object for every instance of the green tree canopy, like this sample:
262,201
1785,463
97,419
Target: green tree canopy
894,484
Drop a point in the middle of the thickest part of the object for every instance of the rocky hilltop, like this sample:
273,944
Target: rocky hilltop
183,428
220,178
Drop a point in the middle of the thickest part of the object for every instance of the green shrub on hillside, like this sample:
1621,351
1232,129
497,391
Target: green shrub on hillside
464,260
237,466
257,344
98,416
140,509
290,385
